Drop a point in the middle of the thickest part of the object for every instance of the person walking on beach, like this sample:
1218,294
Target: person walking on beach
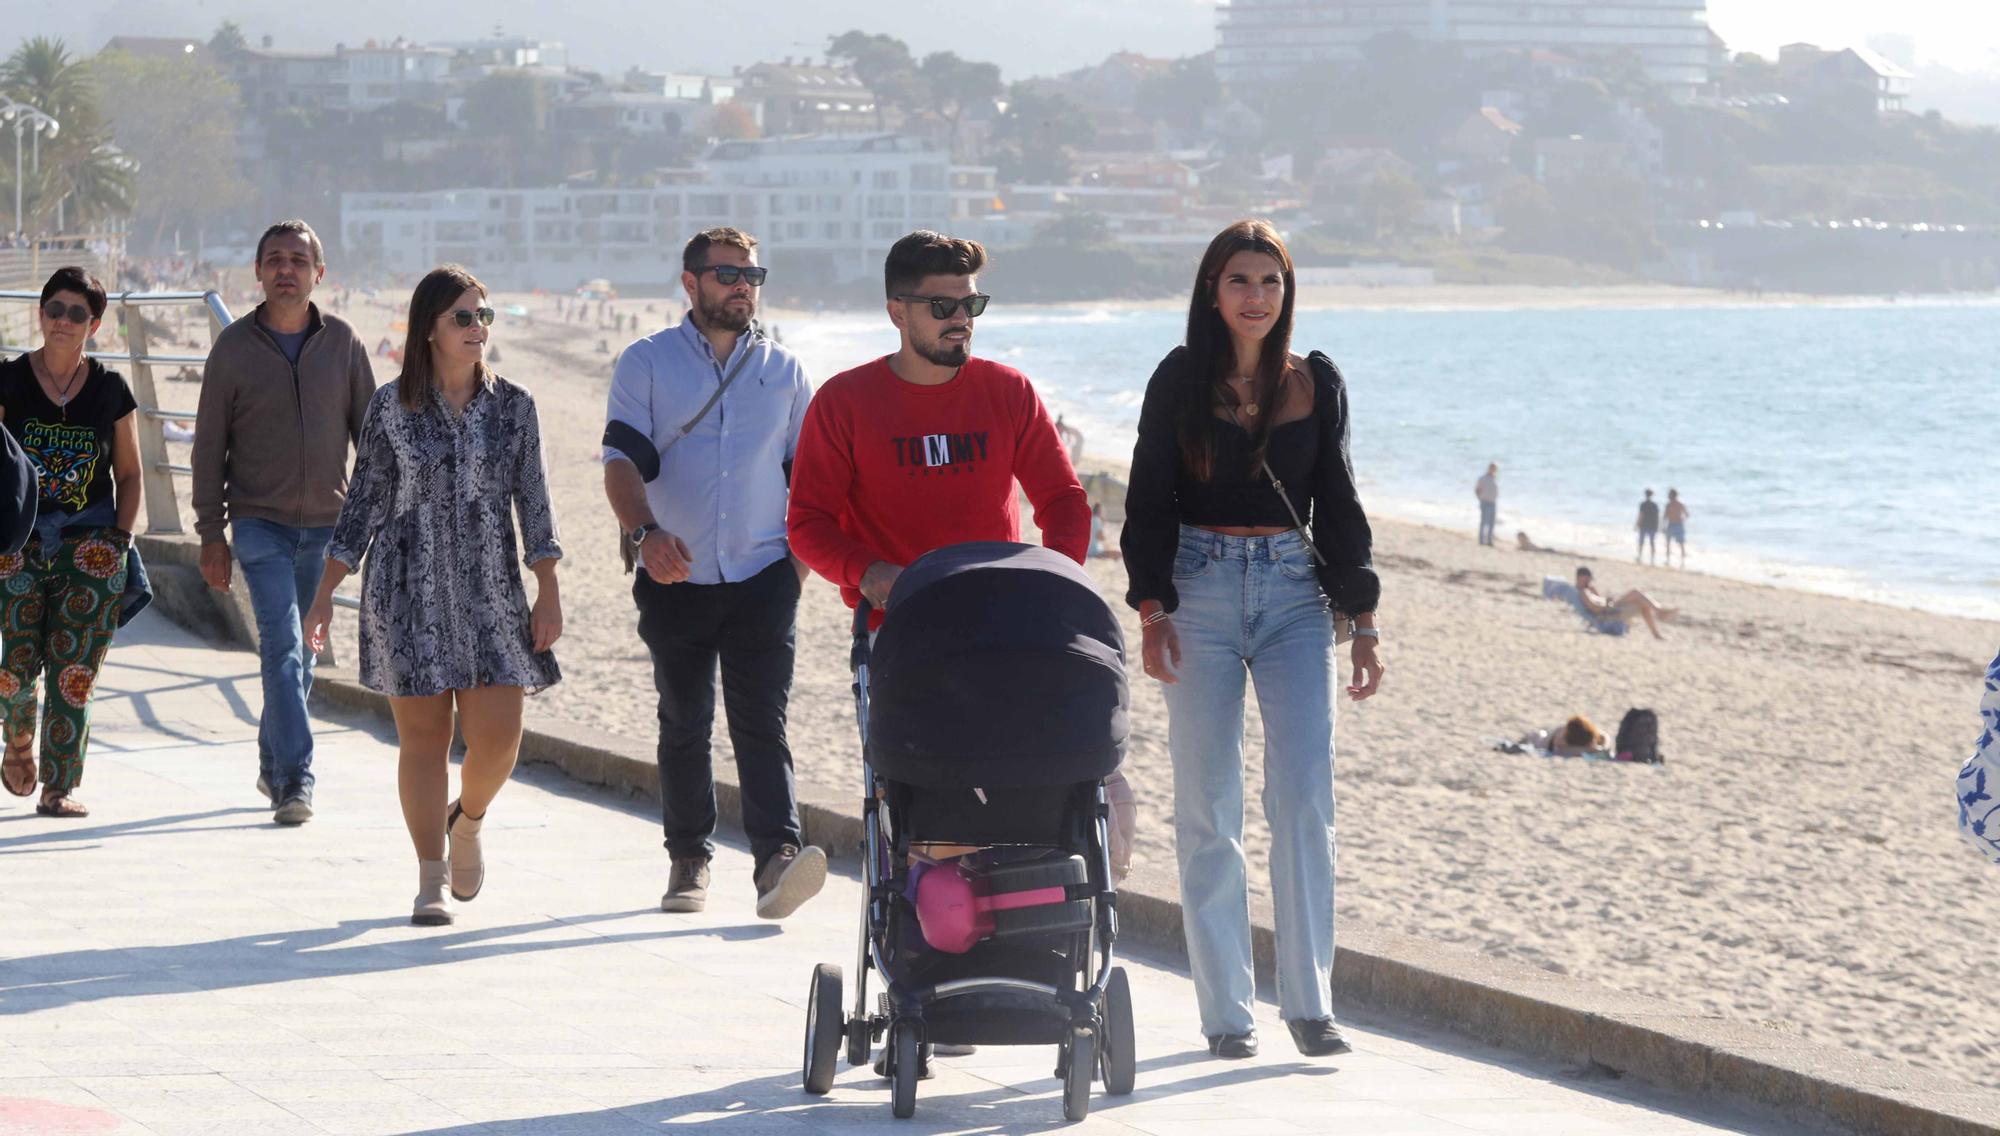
703,422
447,450
1677,533
1649,528
62,593
1243,445
1487,489
282,397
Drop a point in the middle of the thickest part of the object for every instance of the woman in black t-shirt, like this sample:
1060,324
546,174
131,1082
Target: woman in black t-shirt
60,596
1242,445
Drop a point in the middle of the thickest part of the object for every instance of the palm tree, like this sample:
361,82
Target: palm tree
79,169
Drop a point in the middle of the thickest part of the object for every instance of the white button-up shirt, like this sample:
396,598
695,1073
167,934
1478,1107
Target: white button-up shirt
722,489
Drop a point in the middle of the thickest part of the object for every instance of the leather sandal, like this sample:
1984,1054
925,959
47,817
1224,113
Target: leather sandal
18,760
60,805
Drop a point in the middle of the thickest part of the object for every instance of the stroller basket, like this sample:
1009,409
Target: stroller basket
960,904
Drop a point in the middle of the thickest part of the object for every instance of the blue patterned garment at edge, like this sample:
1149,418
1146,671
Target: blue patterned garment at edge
1979,781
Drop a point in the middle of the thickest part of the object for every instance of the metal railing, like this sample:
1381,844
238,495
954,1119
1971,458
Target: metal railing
162,496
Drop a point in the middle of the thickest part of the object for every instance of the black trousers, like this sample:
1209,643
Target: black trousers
749,628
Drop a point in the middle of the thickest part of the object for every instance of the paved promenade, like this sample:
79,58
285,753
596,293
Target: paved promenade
177,964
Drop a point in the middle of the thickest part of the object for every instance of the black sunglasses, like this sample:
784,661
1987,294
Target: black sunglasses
943,306
464,318
76,313
728,274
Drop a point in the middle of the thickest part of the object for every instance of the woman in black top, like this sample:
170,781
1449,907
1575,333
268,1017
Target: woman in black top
60,596
1240,443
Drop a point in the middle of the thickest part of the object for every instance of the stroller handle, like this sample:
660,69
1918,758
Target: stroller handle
858,655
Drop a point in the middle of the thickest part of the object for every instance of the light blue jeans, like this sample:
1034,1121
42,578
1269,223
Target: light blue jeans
282,566
1252,604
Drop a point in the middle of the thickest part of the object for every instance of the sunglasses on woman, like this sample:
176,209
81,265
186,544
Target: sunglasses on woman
943,306
728,274
75,313
463,318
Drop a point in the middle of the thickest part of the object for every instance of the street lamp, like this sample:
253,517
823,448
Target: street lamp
25,118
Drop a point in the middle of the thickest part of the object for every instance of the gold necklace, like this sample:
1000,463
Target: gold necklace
1247,401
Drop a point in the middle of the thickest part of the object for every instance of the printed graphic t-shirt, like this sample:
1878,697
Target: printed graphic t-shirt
889,470
70,447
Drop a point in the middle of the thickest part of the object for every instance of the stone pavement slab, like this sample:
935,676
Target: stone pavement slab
176,963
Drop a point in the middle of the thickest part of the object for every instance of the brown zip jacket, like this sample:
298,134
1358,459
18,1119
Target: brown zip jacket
271,438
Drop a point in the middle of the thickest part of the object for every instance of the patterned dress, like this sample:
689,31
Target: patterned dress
1979,780
442,606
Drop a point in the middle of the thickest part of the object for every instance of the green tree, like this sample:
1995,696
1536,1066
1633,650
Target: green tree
1037,133
886,65
952,84
1390,205
510,110
1077,229
176,119
228,39
1528,215
1182,94
77,174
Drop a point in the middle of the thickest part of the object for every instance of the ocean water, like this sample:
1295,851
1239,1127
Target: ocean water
1845,449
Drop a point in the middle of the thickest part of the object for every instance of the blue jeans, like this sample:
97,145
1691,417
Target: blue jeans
1488,513
1252,604
282,566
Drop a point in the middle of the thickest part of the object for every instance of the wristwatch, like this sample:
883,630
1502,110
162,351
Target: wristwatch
1360,632
638,536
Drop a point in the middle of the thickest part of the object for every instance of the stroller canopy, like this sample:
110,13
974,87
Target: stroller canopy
998,665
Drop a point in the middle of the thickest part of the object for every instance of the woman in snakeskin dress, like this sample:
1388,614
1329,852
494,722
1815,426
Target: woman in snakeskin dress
448,451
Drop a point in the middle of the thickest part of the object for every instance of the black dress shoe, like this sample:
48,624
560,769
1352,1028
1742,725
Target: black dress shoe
1318,1037
1234,1046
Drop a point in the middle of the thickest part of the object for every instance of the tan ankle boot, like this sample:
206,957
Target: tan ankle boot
468,866
430,909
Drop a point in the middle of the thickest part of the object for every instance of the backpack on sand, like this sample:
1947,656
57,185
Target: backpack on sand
1639,738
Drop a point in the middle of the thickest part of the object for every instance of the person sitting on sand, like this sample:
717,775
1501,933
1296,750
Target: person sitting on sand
1634,602
1098,549
1521,540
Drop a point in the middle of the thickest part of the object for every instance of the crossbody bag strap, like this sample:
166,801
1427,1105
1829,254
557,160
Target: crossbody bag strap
1298,525
742,356
743,345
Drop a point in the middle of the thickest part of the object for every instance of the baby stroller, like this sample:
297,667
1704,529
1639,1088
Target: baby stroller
992,703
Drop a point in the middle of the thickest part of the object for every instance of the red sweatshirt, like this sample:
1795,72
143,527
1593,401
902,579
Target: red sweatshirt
889,470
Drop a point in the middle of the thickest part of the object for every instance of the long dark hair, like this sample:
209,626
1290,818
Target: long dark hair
1212,354
435,294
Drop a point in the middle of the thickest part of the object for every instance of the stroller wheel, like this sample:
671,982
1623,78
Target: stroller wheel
822,1028
904,1060
1114,1053
1078,1075
858,1047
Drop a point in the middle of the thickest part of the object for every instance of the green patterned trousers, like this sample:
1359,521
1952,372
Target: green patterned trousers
57,616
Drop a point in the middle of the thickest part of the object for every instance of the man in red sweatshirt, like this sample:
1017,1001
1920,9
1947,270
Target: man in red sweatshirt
922,449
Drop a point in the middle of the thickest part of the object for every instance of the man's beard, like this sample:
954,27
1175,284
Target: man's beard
944,353
721,318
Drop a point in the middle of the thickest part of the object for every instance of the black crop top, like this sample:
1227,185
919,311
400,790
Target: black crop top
1240,494
1310,456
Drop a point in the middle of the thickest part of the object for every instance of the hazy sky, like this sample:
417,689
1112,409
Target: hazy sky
1024,36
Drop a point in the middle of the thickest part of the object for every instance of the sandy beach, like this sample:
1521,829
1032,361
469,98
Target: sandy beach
1795,860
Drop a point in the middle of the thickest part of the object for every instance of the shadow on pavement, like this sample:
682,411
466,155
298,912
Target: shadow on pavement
32,982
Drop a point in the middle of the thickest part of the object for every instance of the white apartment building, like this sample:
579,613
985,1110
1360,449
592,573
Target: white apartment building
822,207
1262,41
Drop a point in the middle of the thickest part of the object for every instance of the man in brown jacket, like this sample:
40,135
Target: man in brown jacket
281,400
